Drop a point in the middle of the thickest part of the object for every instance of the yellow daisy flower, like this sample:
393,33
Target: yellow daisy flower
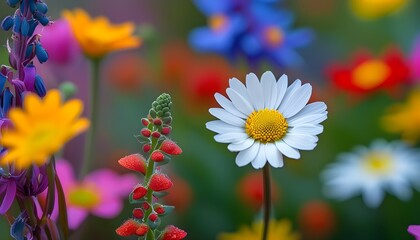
41,128
372,9
98,37
404,118
277,230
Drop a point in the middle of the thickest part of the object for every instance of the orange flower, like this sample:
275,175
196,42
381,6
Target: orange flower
316,219
98,37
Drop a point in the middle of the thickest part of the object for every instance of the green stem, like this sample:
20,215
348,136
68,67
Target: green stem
149,197
267,199
89,156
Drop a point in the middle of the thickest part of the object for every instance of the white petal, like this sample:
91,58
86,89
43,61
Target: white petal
239,87
255,91
372,195
281,89
228,105
273,155
240,146
300,141
311,129
240,102
310,109
260,159
227,117
222,127
308,119
230,137
297,101
287,150
289,93
246,156
269,86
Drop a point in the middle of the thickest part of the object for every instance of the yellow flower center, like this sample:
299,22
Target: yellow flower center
378,162
42,137
83,196
266,125
274,36
217,22
370,74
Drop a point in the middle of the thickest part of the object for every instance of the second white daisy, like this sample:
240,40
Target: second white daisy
265,120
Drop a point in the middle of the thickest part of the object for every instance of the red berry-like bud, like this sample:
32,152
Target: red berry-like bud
157,122
170,147
159,209
145,205
156,134
153,217
173,233
142,230
145,132
135,162
166,130
157,156
146,147
160,182
138,213
128,228
139,192
145,122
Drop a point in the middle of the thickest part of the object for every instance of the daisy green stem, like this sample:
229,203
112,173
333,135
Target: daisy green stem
89,155
267,199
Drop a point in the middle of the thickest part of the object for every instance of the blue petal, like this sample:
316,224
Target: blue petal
266,15
210,7
206,40
285,56
300,37
251,45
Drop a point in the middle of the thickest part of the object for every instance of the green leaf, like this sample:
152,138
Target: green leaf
62,209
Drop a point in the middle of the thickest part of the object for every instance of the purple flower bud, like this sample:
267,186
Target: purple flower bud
41,54
32,26
7,100
29,80
16,24
40,86
3,80
12,3
42,7
24,28
32,6
30,53
19,89
41,18
7,23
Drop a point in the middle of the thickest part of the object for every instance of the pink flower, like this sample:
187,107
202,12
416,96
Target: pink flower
415,60
99,193
414,230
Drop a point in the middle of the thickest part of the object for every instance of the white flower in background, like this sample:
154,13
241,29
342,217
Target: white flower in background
390,167
265,120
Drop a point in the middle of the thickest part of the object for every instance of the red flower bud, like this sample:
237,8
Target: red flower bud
153,217
139,192
135,162
145,122
146,147
145,205
157,156
173,233
142,230
159,209
128,228
156,134
138,213
170,147
160,182
145,132
157,122
166,130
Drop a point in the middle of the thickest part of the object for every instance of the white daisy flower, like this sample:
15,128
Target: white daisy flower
265,120
390,167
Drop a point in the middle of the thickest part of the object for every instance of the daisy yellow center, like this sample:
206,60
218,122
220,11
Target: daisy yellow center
266,125
370,74
41,137
378,163
217,22
274,36
83,196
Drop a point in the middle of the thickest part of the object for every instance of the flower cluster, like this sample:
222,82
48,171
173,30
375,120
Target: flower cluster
253,28
158,148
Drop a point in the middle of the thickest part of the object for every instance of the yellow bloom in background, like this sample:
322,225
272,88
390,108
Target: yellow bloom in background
404,118
41,128
372,9
277,230
98,37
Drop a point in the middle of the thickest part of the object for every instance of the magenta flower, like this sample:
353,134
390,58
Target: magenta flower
100,193
415,60
414,230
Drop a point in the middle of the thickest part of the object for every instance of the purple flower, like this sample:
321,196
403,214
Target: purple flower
99,193
414,230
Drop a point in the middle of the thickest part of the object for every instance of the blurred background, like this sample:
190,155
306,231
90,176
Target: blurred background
211,194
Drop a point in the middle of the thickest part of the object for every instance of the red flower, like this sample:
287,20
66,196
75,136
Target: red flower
170,147
250,190
128,228
160,182
316,219
134,162
173,233
157,156
367,74
139,192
